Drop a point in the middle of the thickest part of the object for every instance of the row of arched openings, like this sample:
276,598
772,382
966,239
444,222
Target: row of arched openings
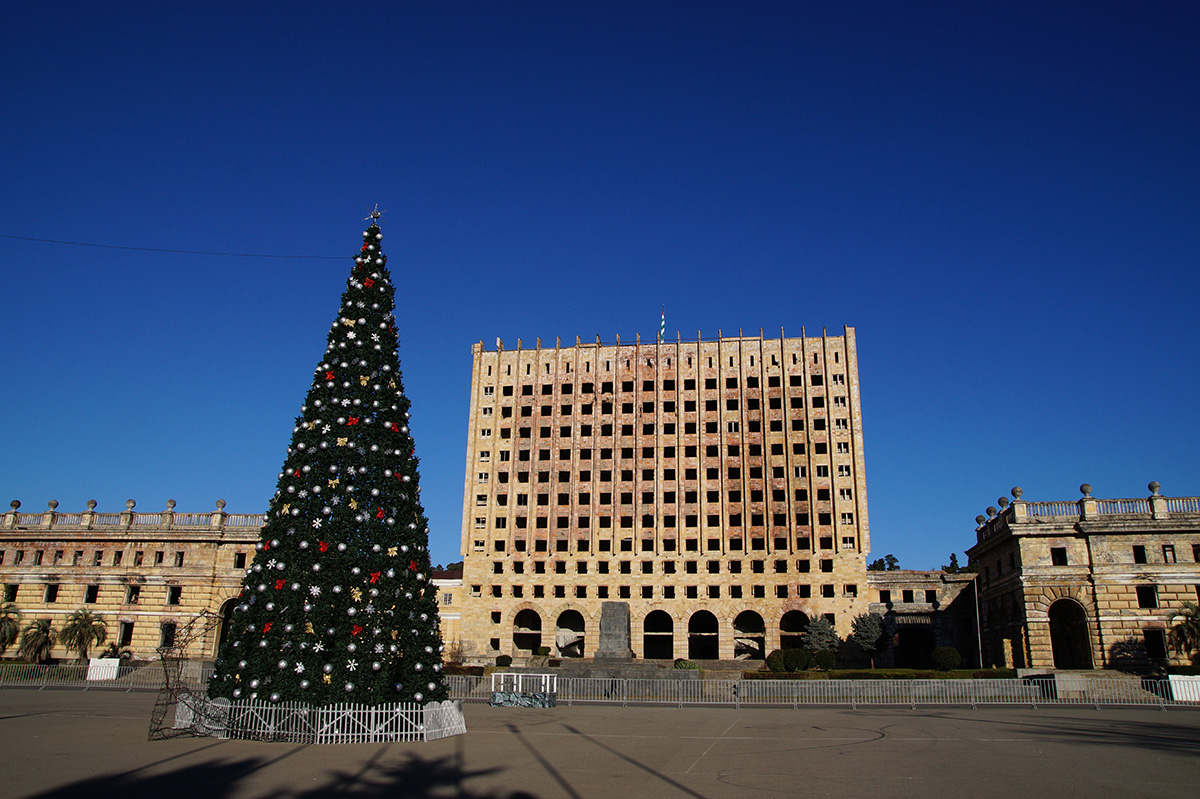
658,637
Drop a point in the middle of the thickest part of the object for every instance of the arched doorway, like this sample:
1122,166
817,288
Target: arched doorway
703,636
568,637
791,629
226,614
527,632
749,636
1069,638
914,647
658,637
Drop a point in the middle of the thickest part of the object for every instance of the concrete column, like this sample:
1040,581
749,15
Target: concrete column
1088,507
48,516
10,518
1158,503
218,518
127,514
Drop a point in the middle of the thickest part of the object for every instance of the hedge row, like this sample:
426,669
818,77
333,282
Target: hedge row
885,674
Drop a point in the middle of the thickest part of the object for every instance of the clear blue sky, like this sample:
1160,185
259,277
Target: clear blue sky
1003,199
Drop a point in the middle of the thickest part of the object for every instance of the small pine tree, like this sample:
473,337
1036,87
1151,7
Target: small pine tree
866,631
819,637
337,605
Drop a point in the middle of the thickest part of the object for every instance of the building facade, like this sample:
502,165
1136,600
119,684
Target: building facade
1092,583
146,574
922,610
716,486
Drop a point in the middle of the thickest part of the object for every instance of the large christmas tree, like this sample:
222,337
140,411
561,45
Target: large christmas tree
338,605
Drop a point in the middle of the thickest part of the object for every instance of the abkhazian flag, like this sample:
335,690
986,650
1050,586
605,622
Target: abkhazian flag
662,326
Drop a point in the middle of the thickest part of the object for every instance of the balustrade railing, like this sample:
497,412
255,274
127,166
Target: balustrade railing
1123,505
245,520
1183,504
1043,509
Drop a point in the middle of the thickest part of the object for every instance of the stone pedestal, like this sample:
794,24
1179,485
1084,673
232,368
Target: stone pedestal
614,634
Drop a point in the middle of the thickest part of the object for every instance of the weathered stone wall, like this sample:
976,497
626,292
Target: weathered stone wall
723,476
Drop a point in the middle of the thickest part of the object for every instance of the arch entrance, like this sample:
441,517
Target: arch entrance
749,636
658,637
791,629
1070,640
226,615
703,636
568,637
527,632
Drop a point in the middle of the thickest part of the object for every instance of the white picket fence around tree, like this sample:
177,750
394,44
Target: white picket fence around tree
296,722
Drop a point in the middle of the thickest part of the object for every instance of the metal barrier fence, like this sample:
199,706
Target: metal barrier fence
1061,689
144,677
1029,691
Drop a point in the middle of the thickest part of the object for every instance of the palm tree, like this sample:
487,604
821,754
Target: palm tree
1185,635
37,641
10,625
82,629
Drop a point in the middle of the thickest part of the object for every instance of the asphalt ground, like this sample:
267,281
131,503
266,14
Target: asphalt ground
59,743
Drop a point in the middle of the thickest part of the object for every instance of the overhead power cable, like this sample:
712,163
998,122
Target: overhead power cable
164,249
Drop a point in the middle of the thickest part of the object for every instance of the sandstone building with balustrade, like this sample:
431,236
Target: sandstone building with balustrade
146,574
1093,583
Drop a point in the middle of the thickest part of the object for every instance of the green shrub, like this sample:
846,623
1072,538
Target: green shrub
776,661
825,659
802,675
503,661
797,659
872,675
993,674
945,658
542,651
683,664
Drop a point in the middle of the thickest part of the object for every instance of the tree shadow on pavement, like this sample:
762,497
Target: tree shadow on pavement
413,776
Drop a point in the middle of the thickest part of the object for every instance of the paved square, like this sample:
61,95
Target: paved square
93,744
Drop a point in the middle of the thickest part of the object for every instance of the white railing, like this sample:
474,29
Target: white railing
1123,505
192,520
29,519
517,682
105,519
1183,504
1030,691
148,518
75,519
300,723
